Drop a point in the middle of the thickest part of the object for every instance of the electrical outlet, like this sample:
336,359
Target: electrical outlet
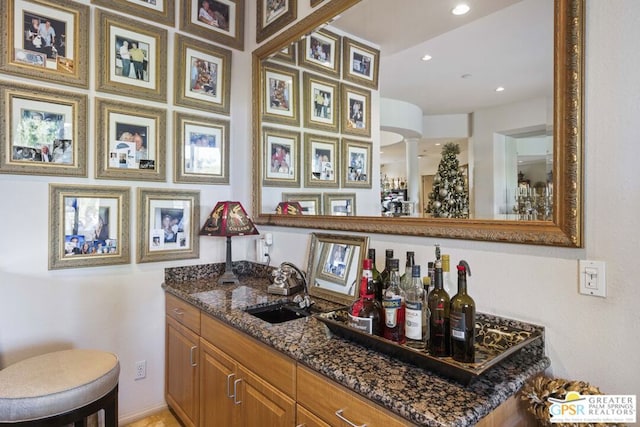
141,370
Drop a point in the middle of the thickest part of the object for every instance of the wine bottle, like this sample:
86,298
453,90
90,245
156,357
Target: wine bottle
439,305
384,276
377,282
463,319
406,279
447,280
393,305
416,312
431,273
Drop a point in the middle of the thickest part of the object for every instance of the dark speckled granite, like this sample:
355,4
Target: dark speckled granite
418,395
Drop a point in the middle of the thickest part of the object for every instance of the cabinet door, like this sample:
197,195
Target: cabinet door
262,404
305,418
217,376
181,373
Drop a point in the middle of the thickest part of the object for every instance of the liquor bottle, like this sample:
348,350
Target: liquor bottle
355,307
393,305
416,312
370,315
406,279
426,284
377,282
431,272
463,319
384,276
439,305
447,279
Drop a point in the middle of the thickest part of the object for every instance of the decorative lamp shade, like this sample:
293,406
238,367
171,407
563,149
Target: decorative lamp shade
289,208
228,219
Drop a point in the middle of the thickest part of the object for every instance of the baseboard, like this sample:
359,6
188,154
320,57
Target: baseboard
123,421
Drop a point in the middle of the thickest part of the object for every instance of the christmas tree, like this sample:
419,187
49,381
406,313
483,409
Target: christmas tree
449,198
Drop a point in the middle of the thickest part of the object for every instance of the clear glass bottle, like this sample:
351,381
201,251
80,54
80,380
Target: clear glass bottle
394,306
439,305
463,319
405,279
416,312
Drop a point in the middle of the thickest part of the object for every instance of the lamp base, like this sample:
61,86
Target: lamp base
228,277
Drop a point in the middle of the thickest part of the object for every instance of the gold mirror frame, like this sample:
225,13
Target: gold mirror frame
566,228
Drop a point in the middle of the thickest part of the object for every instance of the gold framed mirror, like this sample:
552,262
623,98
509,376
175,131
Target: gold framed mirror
565,228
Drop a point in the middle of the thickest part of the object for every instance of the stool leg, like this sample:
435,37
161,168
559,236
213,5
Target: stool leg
80,423
111,410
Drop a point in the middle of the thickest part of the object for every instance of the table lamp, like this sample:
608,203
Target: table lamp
289,208
228,219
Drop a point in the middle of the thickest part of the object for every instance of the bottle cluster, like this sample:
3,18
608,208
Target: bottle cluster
417,311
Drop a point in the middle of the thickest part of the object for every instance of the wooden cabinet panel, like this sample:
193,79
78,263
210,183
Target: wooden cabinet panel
181,364
511,413
262,404
183,312
304,418
217,374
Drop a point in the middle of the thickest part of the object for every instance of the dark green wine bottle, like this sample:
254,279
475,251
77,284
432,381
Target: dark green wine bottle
463,319
439,305
377,282
384,276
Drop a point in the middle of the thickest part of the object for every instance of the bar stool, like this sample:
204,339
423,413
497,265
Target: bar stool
60,388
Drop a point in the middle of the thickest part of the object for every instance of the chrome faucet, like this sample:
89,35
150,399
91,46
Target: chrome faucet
305,300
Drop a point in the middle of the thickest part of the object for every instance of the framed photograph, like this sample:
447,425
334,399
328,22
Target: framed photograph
203,76
320,51
356,164
314,3
43,131
46,40
336,262
311,203
168,222
280,94
360,63
282,158
89,226
321,161
273,15
201,149
160,11
340,204
321,103
286,54
220,21
131,57
130,141
356,111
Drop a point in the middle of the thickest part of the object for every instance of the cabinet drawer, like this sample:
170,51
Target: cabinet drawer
329,401
183,312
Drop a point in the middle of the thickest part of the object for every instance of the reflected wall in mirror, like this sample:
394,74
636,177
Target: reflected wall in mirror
334,266
499,136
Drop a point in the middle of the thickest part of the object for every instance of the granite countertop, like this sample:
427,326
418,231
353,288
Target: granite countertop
413,393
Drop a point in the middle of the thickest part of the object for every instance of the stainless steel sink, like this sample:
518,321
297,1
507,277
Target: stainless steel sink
279,312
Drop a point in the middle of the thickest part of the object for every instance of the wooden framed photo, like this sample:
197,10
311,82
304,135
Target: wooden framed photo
355,111
274,15
336,262
89,226
201,149
360,63
42,131
280,94
320,51
130,141
311,203
46,40
160,11
321,161
340,204
282,158
220,21
203,76
356,163
286,54
321,103
131,57
168,222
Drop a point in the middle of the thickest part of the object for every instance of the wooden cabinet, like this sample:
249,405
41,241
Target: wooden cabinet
262,403
304,418
217,377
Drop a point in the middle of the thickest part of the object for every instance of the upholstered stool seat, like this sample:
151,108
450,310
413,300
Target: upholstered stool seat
60,388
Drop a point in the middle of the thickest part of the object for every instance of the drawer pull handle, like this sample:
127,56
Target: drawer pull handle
191,358
343,418
178,312
229,395
235,392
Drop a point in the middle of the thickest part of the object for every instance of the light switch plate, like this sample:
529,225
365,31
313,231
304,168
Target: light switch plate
592,278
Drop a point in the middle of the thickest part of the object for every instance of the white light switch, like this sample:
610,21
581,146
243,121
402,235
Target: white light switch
592,278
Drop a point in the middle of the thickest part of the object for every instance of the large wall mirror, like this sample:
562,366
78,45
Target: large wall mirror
518,158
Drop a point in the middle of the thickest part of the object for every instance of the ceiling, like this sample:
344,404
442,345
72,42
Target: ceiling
505,43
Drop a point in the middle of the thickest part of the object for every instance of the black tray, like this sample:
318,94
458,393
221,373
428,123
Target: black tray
494,343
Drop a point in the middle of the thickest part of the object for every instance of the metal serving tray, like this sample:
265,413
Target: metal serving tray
494,343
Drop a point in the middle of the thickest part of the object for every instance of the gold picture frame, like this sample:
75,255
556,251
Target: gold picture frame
360,63
130,141
160,11
286,54
42,131
223,23
335,262
89,226
273,16
311,203
321,103
320,52
202,75
339,204
282,157
123,69
201,149
168,224
355,110
280,94
356,163
60,56
321,161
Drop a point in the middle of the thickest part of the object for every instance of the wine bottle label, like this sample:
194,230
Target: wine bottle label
413,325
457,326
361,323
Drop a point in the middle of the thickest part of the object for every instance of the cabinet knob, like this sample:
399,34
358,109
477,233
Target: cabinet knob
346,420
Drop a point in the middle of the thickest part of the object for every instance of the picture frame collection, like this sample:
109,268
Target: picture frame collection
45,130
319,87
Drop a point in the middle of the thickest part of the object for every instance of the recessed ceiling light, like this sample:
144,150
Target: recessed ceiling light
499,89
460,9
426,58
437,144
